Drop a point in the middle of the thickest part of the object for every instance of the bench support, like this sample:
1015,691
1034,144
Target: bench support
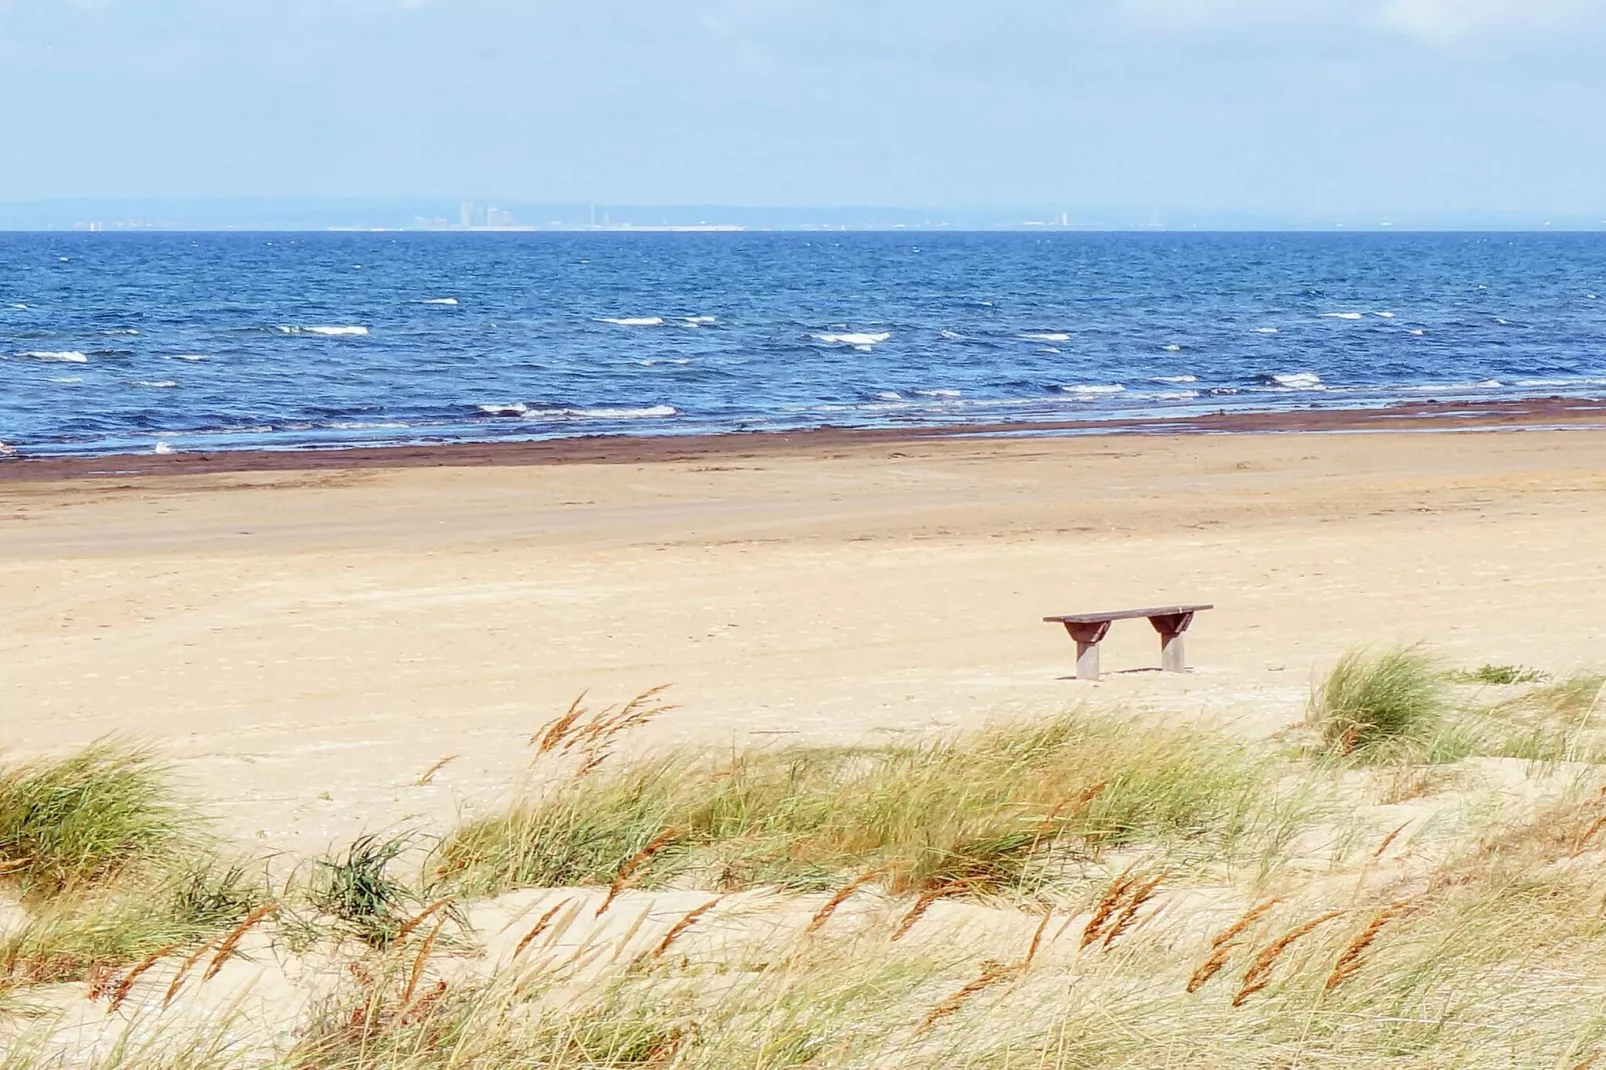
1088,637
1173,656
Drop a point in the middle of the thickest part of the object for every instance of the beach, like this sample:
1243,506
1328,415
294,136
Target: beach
305,635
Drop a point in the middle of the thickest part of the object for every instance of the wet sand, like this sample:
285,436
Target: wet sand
307,633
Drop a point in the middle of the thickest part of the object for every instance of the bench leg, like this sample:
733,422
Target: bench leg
1088,637
1173,656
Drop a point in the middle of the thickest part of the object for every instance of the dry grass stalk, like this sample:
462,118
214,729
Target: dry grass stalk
683,924
9,864
1141,894
843,894
423,916
540,927
1106,907
916,912
1221,947
628,869
990,975
1589,834
1037,941
420,960
1258,976
1078,803
1350,961
429,774
226,948
1389,839
183,971
545,741
120,991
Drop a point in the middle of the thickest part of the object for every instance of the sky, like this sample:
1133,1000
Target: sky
1289,106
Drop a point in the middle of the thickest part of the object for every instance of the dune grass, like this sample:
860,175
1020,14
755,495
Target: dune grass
67,824
980,813
1372,705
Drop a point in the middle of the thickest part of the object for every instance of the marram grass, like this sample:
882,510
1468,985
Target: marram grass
1372,705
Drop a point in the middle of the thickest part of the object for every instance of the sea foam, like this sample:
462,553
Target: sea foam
440,301
1294,380
859,341
633,321
329,332
1045,336
1343,315
64,356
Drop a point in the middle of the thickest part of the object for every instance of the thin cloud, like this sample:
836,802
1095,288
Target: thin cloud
1437,22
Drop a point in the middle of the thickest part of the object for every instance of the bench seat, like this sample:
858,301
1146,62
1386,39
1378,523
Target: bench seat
1089,630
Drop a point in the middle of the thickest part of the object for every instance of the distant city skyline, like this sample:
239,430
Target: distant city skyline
1357,112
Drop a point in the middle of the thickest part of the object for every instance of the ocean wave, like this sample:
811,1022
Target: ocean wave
1292,380
1175,379
650,362
1384,315
121,331
938,393
860,341
19,306
952,336
1092,390
1045,336
521,410
159,384
633,321
1343,315
440,301
65,379
64,356
699,321
1172,395
1173,348
1267,330
1419,332
329,332
189,356
887,395
1529,383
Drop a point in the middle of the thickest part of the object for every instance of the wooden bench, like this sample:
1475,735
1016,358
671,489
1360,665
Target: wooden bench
1089,629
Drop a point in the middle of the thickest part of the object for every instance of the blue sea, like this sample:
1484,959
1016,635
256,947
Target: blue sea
130,342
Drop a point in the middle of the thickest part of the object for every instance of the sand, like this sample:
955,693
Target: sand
306,642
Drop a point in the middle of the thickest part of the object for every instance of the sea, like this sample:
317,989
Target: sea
118,342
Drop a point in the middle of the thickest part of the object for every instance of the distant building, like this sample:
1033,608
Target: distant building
496,217
468,213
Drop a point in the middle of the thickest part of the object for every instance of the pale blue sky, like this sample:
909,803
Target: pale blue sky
1327,106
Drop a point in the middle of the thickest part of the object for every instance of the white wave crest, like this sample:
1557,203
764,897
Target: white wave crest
440,301
159,384
189,356
654,361
1045,336
120,331
1175,379
1267,330
1295,380
633,321
1419,332
1173,348
1384,315
699,321
859,341
18,305
939,393
952,336
67,379
163,448
64,356
1343,315
887,395
517,408
330,332
520,409
1092,390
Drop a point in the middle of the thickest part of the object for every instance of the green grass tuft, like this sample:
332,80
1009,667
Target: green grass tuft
1371,705
981,813
69,823
1498,675
358,889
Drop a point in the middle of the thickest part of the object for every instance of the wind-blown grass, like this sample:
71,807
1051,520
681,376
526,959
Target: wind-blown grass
68,823
974,813
1371,705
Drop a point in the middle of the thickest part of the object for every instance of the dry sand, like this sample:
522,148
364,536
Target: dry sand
307,643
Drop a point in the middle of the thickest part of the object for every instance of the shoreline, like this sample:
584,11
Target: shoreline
1552,413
